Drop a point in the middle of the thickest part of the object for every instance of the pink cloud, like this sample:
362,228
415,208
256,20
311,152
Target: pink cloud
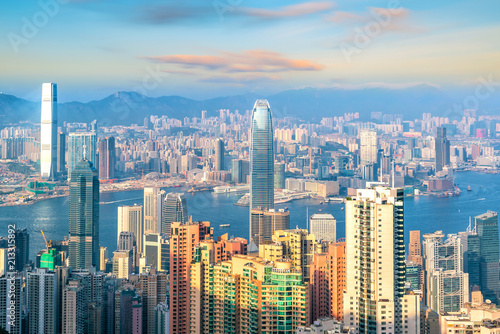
301,9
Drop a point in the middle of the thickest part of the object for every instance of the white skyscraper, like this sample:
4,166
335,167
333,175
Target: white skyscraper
48,131
374,299
130,220
368,147
323,226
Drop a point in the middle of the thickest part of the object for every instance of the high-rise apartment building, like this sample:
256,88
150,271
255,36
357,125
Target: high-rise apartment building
11,300
246,294
368,147
184,238
42,301
174,210
130,220
375,261
327,279
48,131
84,216
107,158
123,263
219,154
261,158
415,256
103,258
73,308
442,149
486,227
324,227
81,146
447,286
264,222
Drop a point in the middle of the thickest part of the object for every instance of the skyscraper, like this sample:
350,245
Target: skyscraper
264,222
185,236
324,227
261,157
130,220
261,166
219,154
48,131
107,158
22,243
84,216
442,148
81,145
415,256
447,285
61,152
152,209
279,175
375,268
486,226
368,147
11,297
174,210
42,301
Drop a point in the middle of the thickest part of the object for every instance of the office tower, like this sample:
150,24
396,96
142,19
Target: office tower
447,286
48,131
442,149
73,308
279,176
130,220
162,318
103,258
375,268
42,301
412,274
84,216
81,145
174,210
246,295
152,209
152,288
261,158
324,227
61,152
327,282
368,147
185,236
107,157
152,250
126,241
123,263
12,300
219,154
486,227
237,171
22,243
50,259
472,258
264,222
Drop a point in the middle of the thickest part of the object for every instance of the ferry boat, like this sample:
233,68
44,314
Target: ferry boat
224,225
469,188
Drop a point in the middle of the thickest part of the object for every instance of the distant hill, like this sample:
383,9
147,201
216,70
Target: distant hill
123,108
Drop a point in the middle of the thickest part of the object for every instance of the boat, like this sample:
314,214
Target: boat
469,188
224,225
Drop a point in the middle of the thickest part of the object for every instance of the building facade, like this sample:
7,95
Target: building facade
48,131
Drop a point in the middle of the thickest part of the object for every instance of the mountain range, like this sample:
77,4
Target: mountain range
311,104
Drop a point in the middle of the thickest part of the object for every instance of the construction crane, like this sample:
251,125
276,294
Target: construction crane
48,244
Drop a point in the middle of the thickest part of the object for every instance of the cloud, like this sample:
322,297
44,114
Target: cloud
302,9
252,61
384,85
176,12
240,79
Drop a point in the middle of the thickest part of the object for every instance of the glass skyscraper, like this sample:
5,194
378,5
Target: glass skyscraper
84,216
81,145
486,226
174,210
261,157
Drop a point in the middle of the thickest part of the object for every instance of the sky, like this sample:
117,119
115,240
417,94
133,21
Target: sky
207,48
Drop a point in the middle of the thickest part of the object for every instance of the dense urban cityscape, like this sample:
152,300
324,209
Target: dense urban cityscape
169,273
249,167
